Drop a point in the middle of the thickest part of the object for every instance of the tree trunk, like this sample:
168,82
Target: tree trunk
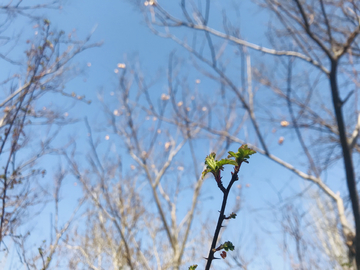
348,163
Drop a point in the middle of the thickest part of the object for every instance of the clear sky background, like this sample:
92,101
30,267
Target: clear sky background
126,39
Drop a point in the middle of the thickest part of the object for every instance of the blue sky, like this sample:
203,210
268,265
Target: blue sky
127,39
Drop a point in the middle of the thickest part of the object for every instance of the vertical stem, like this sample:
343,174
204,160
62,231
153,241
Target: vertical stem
220,220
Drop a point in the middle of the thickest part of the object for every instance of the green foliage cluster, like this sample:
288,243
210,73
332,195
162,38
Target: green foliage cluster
216,166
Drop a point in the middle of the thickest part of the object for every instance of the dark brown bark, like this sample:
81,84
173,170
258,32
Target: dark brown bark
226,191
347,157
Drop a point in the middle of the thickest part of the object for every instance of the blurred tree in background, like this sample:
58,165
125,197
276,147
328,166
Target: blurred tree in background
311,90
30,123
293,98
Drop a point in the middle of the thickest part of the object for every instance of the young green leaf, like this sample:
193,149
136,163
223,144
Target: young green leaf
214,166
242,155
228,246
